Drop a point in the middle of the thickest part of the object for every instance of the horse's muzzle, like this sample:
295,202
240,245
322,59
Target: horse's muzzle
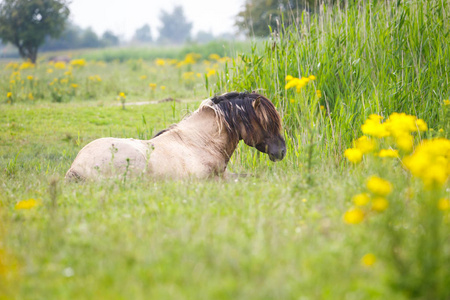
278,155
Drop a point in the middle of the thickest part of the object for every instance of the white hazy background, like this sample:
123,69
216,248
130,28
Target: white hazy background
123,17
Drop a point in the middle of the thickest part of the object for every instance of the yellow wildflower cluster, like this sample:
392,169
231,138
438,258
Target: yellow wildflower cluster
399,126
152,86
78,63
160,62
95,78
319,94
26,65
12,65
59,65
378,189
27,204
189,59
362,146
297,83
368,260
214,56
210,72
444,204
430,162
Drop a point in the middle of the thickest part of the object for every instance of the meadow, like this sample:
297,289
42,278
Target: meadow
358,209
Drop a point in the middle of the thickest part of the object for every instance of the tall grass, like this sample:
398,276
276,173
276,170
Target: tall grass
368,58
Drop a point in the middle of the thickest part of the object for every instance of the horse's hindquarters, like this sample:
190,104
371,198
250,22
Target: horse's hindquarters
109,157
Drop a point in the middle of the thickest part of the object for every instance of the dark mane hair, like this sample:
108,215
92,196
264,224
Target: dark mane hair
235,108
238,108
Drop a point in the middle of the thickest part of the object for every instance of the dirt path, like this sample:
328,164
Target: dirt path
139,103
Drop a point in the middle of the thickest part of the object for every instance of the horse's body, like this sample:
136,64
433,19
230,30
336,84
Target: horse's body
199,146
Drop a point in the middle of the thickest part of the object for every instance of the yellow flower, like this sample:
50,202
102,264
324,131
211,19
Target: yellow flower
26,65
364,144
374,127
368,260
405,142
122,95
444,204
30,96
354,216
49,71
64,81
163,87
214,56
152,86
354,155
388,153
319,94
60,65
74,85
9,95
289,78
160,62
142,77
292,100
379,204
361,199
211,72
441,130
26,204
446,102
379,186
30,77
78,62
322,107
403,124
312,77
430,162
297,83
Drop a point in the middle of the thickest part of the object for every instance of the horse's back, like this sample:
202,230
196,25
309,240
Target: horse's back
107,157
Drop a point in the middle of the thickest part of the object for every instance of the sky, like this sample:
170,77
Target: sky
123,17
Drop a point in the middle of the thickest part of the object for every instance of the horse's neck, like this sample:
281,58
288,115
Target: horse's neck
202,130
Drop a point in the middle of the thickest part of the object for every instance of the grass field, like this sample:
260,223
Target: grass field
358,209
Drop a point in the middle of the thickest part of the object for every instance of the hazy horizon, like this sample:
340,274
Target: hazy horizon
216,17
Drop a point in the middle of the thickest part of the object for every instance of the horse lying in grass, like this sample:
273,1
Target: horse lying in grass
199,146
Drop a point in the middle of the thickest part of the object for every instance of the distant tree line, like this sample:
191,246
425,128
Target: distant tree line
32,25
74,37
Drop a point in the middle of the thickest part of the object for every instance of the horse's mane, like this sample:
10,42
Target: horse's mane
234,108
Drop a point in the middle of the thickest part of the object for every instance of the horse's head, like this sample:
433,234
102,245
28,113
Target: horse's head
252,118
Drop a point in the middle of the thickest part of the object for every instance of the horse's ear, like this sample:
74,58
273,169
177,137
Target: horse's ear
256,103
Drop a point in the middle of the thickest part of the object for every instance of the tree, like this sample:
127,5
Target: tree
89,39
258,15
143,34
109,39
26,23
70,39
175,28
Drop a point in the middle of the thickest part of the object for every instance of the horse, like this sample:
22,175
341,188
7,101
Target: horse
199,146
